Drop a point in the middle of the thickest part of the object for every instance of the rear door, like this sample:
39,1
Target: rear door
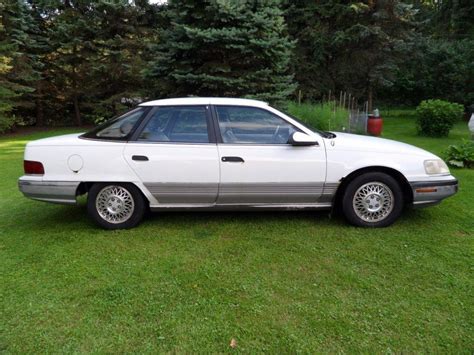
257,164
175,155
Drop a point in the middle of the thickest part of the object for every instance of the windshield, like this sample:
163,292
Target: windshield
120,127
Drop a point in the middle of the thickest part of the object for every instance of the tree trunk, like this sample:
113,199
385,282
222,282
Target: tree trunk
75,96
39,107
77,112
370,98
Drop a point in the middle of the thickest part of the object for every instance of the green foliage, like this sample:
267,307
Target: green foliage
438,68
347,45
462,155
15,69
222,48
6,123
326,116
66,62
435,118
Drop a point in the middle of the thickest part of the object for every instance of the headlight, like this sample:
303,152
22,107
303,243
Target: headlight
436,166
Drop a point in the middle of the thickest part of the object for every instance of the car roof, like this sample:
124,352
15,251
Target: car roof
205,101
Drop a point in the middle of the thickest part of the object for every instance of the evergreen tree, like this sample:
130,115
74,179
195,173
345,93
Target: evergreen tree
348,45
71,37
6,92
120,52
222,48
18,67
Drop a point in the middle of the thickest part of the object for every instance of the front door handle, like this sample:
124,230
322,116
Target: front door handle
139,158
232,159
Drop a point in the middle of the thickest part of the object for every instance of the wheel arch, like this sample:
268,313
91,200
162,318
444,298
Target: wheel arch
397,175
85,186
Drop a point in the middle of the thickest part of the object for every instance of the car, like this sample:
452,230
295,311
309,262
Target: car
229,154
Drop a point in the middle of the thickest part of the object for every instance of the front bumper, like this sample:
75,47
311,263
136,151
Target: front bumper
63,192
428,193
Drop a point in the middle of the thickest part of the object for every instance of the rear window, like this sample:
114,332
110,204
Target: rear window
119,128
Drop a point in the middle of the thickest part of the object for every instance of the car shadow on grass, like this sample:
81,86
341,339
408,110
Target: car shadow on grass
57,218
242,217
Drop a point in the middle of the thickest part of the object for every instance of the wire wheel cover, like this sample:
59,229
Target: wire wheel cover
114,204
373,202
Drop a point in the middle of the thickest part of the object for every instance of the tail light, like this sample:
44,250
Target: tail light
33,167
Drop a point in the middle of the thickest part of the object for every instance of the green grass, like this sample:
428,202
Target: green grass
276,282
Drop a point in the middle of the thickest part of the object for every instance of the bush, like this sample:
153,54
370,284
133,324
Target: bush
6,123
435,118
461,156
327,116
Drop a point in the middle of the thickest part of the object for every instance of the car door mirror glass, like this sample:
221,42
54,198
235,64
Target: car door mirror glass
300,138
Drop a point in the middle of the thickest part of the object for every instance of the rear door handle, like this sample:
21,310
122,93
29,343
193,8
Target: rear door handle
139,158
232,159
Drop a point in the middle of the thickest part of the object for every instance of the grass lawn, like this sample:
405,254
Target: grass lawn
275,282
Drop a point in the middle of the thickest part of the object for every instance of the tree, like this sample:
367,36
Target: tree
6,92
18,66
222,48
345,45
122,36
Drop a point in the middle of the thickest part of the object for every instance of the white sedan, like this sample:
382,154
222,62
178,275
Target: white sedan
221,153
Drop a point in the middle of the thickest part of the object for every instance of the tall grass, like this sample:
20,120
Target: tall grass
327,116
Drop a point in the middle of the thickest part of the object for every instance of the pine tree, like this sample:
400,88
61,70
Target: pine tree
222,48
120,44
6,92
348,45
18,72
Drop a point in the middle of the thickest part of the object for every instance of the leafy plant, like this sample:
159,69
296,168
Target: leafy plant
435,118
461,156
6,122
325,116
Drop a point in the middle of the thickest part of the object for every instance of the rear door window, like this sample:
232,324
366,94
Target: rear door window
179,124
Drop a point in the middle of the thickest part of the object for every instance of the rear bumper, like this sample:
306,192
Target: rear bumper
63,192
428,193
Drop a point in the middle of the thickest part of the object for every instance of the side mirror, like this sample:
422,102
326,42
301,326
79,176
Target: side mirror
302,139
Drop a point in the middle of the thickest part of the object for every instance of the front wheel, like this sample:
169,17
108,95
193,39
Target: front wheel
115,205
372,200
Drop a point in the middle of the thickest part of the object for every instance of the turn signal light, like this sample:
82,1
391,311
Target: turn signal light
426,189
33,167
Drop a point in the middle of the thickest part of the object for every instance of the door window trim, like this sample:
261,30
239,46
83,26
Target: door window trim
219,134
209,123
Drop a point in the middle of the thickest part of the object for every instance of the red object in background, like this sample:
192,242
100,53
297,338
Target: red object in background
374,125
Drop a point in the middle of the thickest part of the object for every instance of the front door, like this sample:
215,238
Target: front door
257,164
174,157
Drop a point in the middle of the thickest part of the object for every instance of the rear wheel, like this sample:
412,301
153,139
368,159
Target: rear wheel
372,200
116,205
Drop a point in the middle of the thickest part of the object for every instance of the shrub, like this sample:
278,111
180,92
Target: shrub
461,156
6,122
326,116
435,118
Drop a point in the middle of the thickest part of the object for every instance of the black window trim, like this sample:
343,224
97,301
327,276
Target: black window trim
219,134
209,121
92,135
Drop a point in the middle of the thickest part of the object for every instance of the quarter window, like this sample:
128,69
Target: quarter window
187,124
122,126
251,125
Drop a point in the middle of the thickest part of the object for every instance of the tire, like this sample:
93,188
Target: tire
116,205
372,200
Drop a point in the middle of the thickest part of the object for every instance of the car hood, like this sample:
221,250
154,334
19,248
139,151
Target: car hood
368,144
